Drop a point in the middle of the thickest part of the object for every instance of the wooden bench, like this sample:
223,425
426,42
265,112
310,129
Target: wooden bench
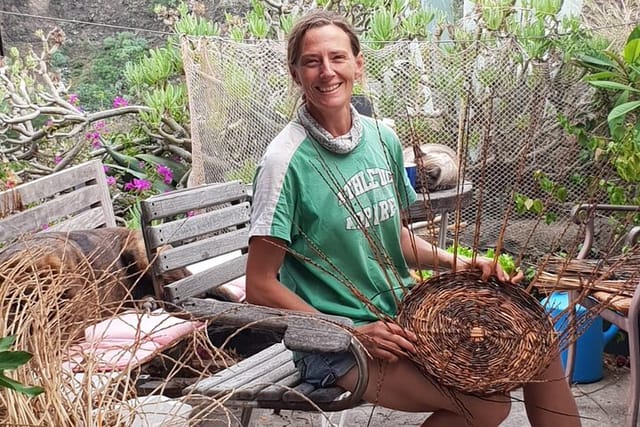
72,199
210,221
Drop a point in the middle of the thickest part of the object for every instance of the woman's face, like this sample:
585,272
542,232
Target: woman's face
326,70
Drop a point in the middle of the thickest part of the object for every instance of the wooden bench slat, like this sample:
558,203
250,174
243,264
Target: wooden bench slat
264,378
206,280
192,253
252,375
275,391
195,198
87,220
197,225
71,198
239,368
319,395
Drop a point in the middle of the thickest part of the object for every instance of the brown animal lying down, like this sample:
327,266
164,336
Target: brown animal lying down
114,259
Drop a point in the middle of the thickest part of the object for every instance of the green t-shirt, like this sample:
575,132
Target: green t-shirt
319,201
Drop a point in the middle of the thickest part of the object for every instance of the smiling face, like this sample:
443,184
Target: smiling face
326,70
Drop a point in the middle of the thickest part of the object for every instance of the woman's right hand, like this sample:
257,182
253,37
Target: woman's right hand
386,341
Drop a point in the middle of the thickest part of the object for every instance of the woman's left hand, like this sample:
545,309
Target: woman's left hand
489,268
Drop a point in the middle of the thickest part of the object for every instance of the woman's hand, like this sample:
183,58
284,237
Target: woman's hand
489,268
386,341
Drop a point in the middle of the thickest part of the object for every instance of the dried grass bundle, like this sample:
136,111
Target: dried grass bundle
616,275
477,336
48,312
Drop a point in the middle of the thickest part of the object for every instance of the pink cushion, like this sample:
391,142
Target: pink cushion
128,340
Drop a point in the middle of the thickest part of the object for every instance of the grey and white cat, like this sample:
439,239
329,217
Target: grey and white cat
437,166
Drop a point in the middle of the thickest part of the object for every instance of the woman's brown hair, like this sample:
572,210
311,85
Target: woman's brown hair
315,19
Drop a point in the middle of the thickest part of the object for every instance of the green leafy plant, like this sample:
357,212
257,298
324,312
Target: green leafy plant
11,360
616,75
505,260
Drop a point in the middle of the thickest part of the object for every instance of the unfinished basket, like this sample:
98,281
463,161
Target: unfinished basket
475,336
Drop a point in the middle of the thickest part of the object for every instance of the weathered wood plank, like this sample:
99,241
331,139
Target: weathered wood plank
187,228
61,197
195,198
237,369
205,280
265,378
200,250
275,392
318,395
260,373
87,220
302,331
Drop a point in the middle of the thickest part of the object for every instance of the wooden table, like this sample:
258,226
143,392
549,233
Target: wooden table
441,202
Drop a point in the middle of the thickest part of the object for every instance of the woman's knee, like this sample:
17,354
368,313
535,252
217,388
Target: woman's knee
490,410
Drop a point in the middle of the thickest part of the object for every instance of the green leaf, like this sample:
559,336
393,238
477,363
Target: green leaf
178,169
10,360
595,62
124,160
139,175
622,110
7,342
612,85
7,382
600,76
632,51
635,34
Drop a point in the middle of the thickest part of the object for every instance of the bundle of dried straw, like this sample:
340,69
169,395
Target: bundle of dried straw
476,336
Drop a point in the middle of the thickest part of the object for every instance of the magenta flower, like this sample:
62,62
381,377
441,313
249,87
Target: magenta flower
120,102
100,125
74,99
94,138
138,185
106,168
111,181
45,226
57,158
165,173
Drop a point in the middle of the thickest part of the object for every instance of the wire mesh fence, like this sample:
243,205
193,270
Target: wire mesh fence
485,100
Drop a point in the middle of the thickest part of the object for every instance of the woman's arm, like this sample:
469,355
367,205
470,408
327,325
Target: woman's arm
266,255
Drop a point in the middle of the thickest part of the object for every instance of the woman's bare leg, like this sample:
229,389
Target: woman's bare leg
401,386
550,401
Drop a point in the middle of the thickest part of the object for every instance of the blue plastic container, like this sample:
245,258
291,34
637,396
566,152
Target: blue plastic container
590,345
412,173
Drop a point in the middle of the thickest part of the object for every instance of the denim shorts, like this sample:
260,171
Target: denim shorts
323,369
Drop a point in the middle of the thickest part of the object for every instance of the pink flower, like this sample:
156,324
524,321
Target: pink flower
111,181
138,185
166,173
57,158
45,226
190,214
120,102
106,168
100,125
94,138
74,99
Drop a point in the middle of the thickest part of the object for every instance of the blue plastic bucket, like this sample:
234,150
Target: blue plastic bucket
588,366
412,173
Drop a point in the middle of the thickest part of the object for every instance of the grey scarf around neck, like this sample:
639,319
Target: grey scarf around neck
341,144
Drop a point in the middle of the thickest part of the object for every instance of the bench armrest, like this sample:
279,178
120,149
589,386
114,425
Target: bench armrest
304,332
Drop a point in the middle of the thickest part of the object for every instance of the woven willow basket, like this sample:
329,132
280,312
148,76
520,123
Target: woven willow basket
475,336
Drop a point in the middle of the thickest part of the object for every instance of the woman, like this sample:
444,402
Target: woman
327,176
